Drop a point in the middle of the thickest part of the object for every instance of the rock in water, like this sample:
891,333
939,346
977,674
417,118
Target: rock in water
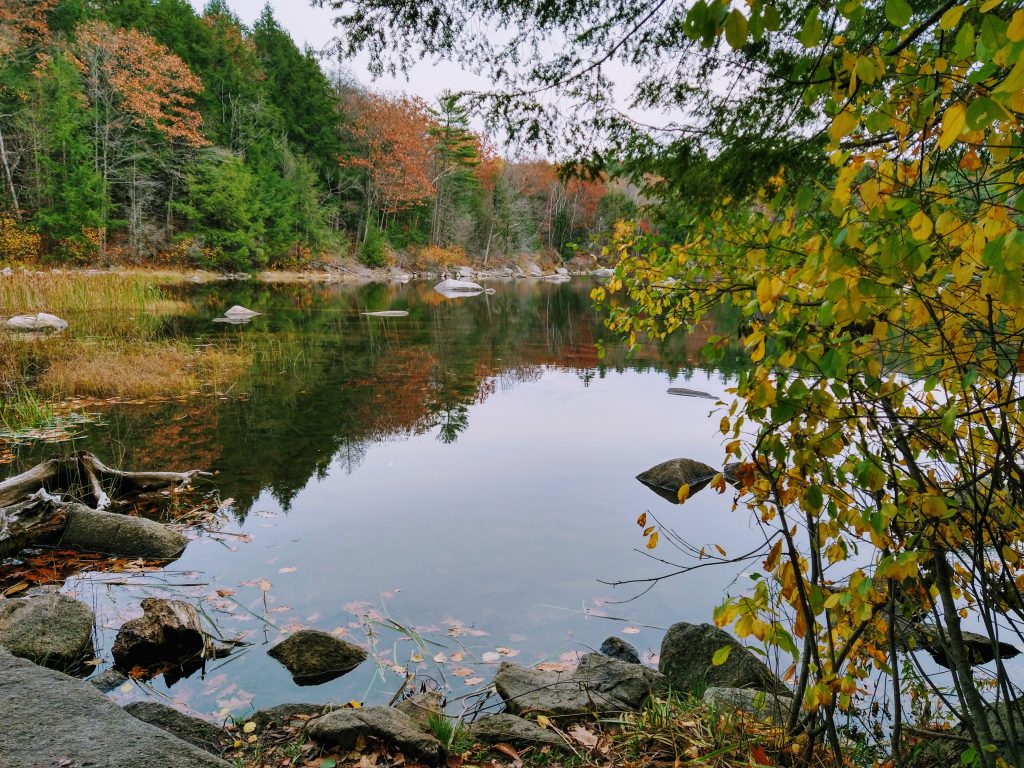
42,321
598,686
50,719
684,392
667,478
52,629
617,648
387,313
167,635
345,727
457,286
686,654
314,657
239,312
197,732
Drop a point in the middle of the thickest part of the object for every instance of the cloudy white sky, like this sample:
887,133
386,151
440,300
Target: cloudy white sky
313,26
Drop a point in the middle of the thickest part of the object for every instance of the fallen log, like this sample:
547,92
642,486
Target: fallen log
37,507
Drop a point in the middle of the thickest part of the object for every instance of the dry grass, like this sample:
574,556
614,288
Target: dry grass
155,369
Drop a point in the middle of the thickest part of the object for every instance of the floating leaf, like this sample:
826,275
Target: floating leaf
288,569
473,680
490,657
630,630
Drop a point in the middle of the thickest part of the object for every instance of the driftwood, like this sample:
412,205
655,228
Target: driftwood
37,505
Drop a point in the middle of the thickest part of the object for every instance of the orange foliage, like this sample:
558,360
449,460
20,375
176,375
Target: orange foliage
394,131
23,24
491,165
155,87
17,242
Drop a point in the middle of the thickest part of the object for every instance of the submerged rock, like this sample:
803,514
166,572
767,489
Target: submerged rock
286,714
315,657
667,478
43,321
686,655
197,732
50,719
53,630
345,727
617,648
598,686
108,680
509,729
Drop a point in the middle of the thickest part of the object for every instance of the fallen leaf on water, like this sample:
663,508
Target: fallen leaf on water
416,657
556,666
473,680
287,569
510,652
491,658
458,656
462,671
225,592
631,630
440,658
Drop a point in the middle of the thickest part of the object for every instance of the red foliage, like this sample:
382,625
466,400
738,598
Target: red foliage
23,24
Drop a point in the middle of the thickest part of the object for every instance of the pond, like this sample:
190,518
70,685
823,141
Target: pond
450,489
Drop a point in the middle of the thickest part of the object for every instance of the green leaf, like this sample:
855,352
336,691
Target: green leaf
721,655
736,29
898,12
810,34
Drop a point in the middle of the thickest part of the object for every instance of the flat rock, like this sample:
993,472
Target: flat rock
603,272
197,732
394,729
667,478
421,706
314,657
387,313
770,707
238,312
50,719
686,654
42,321
457,286
51,629
286,714
617,648
505,728
90,530
598,686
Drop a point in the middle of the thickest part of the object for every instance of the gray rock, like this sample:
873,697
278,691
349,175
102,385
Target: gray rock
43,321
561,271
6,272
667,478
394,729
314,657
420,707
510,729
617,648
197,732
599,685
686,654
603,272
51,719
109,533
51,629
108,680
770,707
239,312
286,714
386,313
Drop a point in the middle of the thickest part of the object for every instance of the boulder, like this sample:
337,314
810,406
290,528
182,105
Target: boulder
6,272
286,714
197,732
168,635
510,729
617,648
686,654
769,707
598,686
91,530
51,629
314,657
561,271
395,730
238,312
108,680
42,321
667,478
603,272
421,706
51,719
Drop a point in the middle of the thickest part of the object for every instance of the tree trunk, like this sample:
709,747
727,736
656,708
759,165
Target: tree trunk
10,178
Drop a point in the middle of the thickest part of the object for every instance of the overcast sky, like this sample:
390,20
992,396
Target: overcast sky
314,26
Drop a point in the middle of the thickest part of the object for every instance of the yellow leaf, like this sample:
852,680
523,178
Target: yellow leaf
683,493
355,704
249,727
642,520
952,17
773,557
720,550
787,358
543,721
1015,30
953,121
920,226
721,655
652,542
989,5
842,125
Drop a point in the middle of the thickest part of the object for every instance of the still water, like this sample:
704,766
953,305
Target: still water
455,484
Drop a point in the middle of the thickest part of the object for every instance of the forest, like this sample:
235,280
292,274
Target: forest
143,132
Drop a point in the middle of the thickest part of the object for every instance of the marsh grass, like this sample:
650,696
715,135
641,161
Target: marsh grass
117,346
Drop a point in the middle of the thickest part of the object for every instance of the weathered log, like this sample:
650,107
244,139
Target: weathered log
31,512
167,639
